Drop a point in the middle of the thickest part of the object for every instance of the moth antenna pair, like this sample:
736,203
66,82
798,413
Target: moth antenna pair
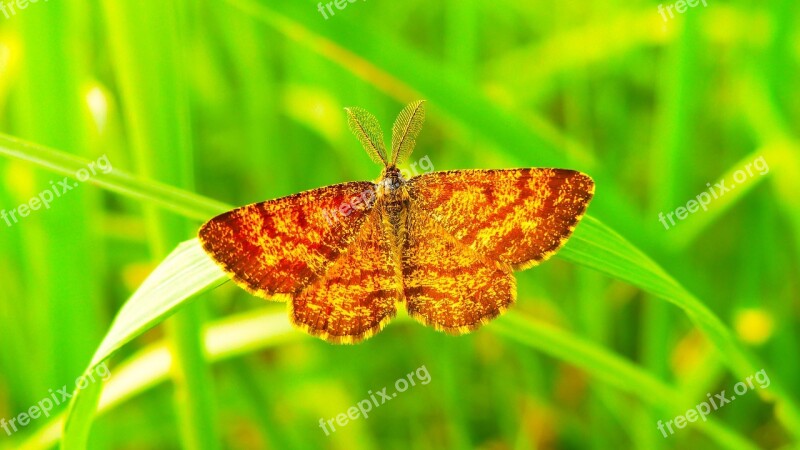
404,132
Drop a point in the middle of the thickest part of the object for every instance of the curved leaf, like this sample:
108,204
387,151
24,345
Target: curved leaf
224,339
184,274
179,201
612,370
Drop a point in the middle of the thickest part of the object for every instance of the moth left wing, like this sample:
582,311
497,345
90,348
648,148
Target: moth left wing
278,247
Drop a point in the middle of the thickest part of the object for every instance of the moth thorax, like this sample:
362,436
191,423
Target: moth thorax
391,186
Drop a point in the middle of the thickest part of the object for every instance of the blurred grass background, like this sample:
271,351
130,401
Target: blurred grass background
241,101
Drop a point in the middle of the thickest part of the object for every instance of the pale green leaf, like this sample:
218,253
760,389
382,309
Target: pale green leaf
179,201
612,370
224,339
184,274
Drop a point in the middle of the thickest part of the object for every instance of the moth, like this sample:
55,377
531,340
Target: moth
443,245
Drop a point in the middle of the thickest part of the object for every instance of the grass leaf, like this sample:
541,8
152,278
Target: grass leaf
597,246
611,369
224,339
184,274
150,192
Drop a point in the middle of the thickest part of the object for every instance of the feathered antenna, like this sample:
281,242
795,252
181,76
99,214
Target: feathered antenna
405,130
368,130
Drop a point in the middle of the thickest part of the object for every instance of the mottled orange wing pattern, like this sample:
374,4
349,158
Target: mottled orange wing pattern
283,245
469,229
358,294
448,285
517,216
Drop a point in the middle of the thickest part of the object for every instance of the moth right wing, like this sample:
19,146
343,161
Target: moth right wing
520,217
469,229
447,284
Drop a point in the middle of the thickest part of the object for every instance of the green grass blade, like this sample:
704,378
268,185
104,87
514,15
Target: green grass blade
597,246
153,72
224,339
184,274
693,226
611,369
149,192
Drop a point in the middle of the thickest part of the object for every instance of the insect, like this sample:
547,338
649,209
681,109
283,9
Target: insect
443,244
